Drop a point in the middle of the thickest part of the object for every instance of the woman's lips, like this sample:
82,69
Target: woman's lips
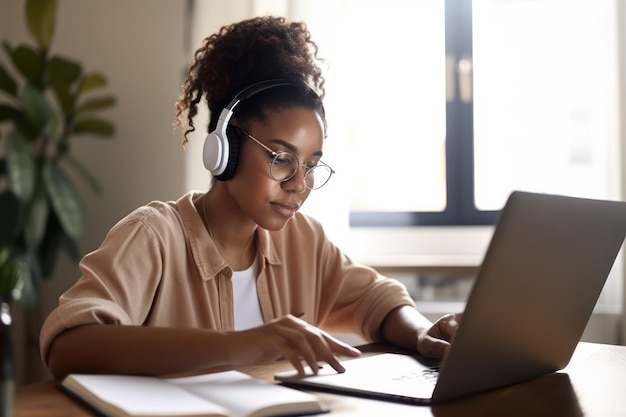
286,209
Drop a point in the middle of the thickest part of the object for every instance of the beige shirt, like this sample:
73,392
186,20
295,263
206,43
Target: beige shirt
159,267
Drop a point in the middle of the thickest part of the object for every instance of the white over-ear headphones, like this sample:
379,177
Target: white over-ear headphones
220,154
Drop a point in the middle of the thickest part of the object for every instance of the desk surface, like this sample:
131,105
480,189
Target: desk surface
591,385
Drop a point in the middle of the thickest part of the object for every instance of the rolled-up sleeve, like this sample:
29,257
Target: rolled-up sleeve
337,294
358,295
117,286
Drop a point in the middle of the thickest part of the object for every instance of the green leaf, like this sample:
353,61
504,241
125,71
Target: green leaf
20,164
92,81
7,84
28,62
40,17
54,128
8,113
55,239
95,126
63,94
64,69
64,200
98,103
36,219
36,106
10,217
9,273
63,74
29,289
25,126
87,176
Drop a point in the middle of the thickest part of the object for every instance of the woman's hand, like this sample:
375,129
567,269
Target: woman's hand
290,338
436,340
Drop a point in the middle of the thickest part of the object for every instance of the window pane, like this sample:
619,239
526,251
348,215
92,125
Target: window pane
389,78
545,78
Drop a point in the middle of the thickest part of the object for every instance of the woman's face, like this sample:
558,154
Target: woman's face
269,203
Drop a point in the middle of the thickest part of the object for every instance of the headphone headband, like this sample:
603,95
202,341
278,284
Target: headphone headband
220,154
256,88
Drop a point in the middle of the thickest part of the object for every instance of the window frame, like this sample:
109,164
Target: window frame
460,202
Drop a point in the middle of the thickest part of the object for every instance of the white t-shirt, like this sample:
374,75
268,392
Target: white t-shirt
246,300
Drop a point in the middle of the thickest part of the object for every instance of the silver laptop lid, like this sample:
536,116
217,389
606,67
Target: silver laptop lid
541,277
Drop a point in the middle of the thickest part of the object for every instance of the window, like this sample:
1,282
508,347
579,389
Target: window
451,108
546,98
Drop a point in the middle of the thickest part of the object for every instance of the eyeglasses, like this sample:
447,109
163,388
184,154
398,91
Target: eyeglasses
285,166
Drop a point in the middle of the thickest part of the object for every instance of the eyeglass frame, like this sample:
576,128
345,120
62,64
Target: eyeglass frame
275,154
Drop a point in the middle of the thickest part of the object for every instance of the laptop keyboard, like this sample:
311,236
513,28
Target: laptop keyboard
425,377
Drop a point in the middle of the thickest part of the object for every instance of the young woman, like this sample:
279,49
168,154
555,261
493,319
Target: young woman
236,275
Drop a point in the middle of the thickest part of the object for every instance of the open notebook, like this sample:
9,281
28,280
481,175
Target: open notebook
541,277
221,394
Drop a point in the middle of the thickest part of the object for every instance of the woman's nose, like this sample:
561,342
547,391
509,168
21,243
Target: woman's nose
297,183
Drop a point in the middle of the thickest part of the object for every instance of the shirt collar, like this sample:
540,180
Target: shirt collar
206,256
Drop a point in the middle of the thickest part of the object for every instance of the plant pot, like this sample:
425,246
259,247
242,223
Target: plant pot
7,372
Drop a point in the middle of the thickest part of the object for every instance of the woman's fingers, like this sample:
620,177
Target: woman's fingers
309,344
436,341
296,341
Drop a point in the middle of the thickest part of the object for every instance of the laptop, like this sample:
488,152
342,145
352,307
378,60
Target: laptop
534,293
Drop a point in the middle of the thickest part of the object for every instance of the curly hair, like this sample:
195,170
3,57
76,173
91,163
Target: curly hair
244,53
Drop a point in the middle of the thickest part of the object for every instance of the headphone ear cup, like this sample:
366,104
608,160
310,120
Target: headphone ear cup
213,153
233,142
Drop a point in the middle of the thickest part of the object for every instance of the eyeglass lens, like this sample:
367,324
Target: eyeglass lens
285,165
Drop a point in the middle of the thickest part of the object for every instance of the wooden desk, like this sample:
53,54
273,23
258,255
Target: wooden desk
591,385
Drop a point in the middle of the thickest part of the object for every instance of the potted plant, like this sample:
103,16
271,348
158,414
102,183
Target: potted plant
9,277
45,101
